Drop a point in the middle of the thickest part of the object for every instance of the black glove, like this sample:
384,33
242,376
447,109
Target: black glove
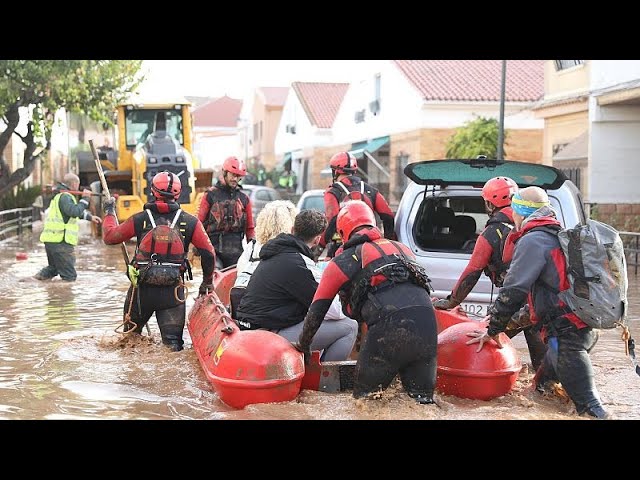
205,288
305,350
109,206
445,303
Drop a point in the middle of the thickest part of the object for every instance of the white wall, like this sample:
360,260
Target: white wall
614,153
607,73
306,134
448,115
212,151
400,105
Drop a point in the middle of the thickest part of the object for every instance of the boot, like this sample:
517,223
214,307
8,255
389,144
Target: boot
423,399
596,412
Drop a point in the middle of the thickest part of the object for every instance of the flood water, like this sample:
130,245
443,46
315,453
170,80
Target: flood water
60,358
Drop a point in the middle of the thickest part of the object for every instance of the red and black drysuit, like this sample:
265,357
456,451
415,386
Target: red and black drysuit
335,194
402,332
487,257
536,274
170,312
227,216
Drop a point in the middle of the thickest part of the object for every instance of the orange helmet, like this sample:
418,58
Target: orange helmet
166,185
354,214
498,191
233,165
343,162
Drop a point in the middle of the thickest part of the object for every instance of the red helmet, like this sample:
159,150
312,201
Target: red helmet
354,214
233,165
343,162
166,185
499,190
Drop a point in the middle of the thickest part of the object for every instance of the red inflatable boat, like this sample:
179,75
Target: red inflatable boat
244,367
247,367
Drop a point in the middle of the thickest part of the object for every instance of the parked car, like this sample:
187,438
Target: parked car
260,196
441,214
312,200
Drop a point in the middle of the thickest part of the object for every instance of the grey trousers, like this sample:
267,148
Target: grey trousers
335,337
62,261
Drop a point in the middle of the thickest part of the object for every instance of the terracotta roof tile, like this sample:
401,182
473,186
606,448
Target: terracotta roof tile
275,96
475,80
320,100
219,112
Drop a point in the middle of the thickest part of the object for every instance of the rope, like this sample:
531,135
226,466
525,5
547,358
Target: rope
626,335
127,318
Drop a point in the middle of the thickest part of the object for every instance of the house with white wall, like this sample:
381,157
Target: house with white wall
403,111
591,111
306,123
215,130
614,118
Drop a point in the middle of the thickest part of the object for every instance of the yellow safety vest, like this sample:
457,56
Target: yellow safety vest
55,230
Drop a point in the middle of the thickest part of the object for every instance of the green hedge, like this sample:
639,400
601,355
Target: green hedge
21,197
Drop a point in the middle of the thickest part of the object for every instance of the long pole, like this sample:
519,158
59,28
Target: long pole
501,124
107,195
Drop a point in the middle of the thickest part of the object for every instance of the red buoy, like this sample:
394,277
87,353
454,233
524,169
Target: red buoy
465,373
21,255
244,367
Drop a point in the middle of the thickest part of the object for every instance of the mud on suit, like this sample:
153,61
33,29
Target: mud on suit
227,216
536,275
337,193
60,236
402,331
149,299
487,257
279,293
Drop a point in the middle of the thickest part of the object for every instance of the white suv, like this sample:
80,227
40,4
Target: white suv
441,214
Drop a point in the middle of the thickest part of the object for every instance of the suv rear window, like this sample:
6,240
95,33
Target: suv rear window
449,224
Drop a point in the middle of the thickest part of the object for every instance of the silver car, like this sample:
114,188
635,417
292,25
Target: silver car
312,200
259,196
441,214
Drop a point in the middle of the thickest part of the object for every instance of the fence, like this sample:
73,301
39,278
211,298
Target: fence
631,241
14,222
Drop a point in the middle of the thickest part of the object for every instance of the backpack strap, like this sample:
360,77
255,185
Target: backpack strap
175,219
153,222
341,185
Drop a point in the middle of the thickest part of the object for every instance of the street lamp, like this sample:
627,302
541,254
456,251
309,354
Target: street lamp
501,123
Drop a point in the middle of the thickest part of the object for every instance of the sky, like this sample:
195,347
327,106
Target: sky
239,78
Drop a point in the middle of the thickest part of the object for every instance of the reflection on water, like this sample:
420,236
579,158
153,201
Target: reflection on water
61,359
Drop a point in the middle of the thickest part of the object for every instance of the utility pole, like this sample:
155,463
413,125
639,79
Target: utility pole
501,122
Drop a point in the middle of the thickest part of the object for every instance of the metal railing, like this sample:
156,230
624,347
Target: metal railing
631,241
14,222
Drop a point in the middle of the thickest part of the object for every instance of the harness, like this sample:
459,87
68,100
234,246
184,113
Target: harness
496,270
395,267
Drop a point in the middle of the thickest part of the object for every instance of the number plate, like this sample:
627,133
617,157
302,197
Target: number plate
475,310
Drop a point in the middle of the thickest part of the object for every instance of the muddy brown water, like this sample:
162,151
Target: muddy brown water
61,359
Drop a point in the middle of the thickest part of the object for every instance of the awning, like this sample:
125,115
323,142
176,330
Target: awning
372,146
281,164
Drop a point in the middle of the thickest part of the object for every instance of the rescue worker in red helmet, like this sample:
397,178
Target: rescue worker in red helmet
227,213
144,300
348,186
379,283
487,257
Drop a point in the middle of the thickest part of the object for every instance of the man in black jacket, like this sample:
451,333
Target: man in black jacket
281,289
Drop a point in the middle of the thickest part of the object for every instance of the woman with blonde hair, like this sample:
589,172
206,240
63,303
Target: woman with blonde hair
275,218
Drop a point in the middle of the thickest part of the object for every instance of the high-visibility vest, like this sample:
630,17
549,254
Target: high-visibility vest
55,230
